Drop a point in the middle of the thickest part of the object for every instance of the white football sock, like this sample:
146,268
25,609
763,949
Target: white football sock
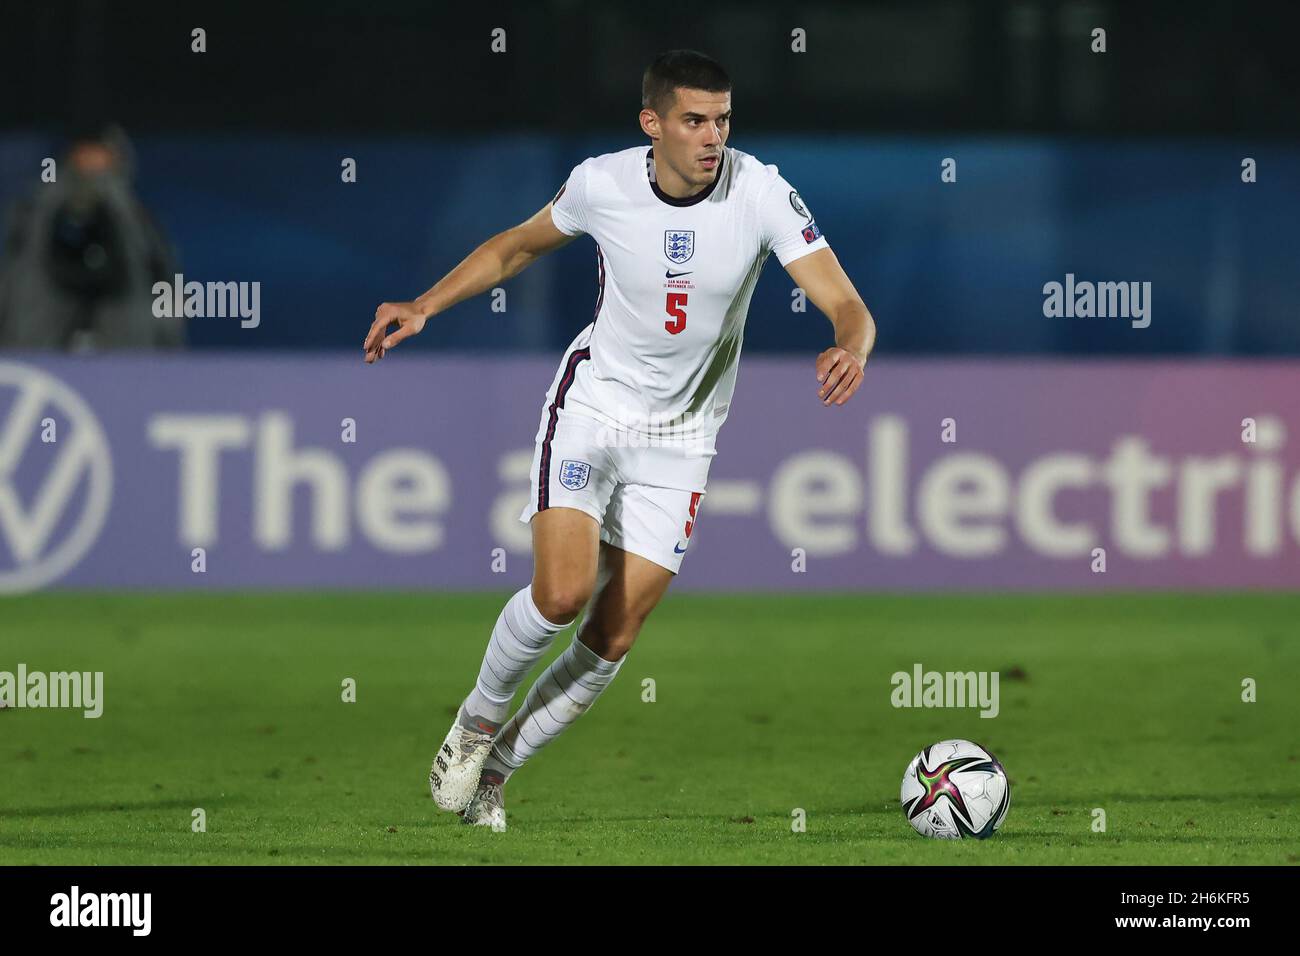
561,695
519,639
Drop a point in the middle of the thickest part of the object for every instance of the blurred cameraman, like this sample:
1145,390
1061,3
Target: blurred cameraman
81,255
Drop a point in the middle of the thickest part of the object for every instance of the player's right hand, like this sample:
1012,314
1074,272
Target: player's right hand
407,316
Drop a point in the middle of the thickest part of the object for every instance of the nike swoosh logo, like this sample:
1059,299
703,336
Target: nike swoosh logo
669,274
677,550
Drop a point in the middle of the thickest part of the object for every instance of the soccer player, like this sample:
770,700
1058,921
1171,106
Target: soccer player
682,229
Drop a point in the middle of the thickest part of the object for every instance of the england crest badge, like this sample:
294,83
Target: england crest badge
679,245
574,474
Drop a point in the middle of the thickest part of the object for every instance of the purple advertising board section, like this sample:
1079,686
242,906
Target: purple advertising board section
790,474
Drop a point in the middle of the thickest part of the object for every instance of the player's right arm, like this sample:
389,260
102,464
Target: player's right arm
503,256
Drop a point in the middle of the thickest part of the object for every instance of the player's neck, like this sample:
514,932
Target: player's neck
671,184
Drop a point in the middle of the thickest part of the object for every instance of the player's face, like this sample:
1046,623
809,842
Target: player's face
694,134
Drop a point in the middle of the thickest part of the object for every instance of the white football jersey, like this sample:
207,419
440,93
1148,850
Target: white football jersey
675,280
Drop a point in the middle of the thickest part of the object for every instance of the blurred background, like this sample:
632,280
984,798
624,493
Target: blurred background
1117,165
335,155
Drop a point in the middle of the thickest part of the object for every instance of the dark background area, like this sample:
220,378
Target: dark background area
1213,67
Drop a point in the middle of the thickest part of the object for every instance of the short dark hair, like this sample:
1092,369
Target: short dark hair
678,68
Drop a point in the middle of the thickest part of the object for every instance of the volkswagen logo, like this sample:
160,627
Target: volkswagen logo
54,498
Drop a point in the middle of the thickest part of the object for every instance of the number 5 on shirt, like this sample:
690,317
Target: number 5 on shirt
674,307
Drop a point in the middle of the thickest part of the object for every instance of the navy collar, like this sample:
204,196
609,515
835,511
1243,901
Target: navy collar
700,196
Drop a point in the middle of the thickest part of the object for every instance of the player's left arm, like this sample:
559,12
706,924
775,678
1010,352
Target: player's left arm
839,368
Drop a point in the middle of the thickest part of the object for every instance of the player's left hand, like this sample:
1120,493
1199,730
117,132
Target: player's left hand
840,374
407,316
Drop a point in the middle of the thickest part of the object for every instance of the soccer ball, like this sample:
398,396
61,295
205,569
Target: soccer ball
954,790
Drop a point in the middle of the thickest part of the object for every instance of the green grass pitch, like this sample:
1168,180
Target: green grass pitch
764,704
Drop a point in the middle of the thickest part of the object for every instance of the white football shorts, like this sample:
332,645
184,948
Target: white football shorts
646,499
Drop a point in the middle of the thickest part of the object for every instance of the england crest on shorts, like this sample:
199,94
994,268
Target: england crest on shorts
574,474
679,245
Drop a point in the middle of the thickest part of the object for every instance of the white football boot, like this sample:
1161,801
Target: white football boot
488,808
454,775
